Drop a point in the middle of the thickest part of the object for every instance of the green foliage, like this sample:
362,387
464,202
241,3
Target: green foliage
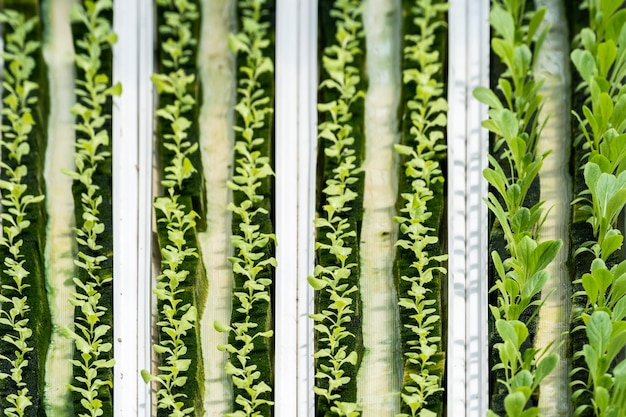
607,337
513,120
600,60
177,316
91,336
427,109
19,103
523,371
334,277
252,240
177,84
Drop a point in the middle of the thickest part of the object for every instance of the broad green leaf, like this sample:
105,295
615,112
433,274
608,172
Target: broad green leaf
522,379
521,221
488,97
503,24
545,367
599,330
534,285
503,49
509,126
545,253
514,404
507,331
612,241
601,399
584,63
619,310
607,52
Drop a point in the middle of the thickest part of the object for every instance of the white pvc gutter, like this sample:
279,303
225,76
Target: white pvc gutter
287,208
132,164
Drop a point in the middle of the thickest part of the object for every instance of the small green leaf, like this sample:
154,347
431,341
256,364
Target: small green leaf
221,327
316,283
146,376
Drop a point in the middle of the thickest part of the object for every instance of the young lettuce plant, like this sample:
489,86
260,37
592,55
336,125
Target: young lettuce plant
24,322
521,276
601,64
338,332
250,330
180,287
92,334
419,260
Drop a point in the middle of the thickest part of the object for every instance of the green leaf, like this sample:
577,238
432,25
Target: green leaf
221,327
612,241
488,97
545,253
503,23
146,376
534,285
507,331
619,310
316,283
545,367
607,52
535,22
514,404
599,330
585,64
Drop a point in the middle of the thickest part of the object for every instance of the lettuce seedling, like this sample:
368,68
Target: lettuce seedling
336,272
250,333
91,334
20,102
421,152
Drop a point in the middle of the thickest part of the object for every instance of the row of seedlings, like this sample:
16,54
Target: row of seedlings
181,287
93,362
419,257
24,313
338,334
518,258
250,334
599,303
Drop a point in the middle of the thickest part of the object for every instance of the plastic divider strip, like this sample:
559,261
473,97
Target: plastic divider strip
286,208
468,373
132,23
307,138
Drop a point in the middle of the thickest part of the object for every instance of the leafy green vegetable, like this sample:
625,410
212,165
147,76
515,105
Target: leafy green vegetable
600,60
337,331
513,120
419,263
181,284
24,313
250,330
92,333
